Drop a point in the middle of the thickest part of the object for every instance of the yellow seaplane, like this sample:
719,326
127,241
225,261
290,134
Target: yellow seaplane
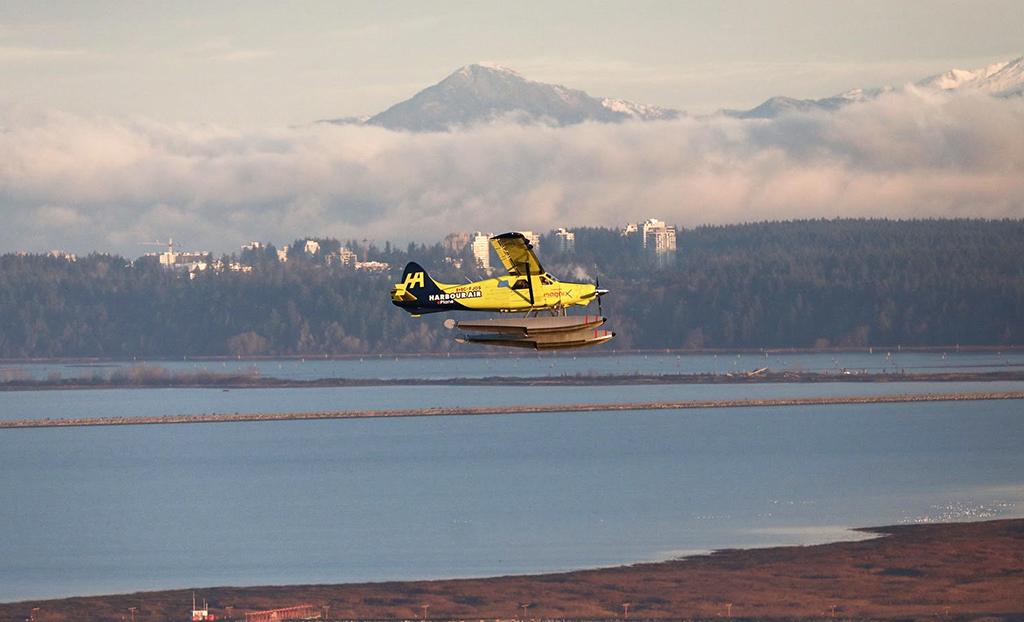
527,289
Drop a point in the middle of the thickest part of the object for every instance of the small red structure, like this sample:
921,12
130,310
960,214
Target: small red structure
201,615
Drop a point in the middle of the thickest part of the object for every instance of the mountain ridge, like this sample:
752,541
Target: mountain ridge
999,79
482,93
1004,79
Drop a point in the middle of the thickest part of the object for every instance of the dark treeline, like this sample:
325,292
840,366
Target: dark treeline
817,283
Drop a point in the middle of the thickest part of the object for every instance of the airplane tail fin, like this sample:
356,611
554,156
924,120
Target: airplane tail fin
411,268
416,287
414,277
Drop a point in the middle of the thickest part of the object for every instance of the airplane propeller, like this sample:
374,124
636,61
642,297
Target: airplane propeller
599,292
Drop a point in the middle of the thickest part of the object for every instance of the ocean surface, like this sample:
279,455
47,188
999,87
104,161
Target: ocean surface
556,363
119,509
55,404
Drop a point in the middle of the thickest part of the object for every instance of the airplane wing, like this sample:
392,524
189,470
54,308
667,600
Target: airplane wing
516,253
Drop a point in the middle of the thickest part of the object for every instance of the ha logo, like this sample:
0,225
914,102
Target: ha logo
413,279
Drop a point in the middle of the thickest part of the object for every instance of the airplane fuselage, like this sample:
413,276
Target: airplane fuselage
418,294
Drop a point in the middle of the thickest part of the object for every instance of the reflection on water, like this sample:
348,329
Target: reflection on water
101,510
810,535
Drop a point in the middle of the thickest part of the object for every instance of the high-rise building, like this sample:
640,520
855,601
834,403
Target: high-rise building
659,239
566,240
482,250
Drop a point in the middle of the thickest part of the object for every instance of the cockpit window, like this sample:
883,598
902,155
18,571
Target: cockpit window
545,280
521,284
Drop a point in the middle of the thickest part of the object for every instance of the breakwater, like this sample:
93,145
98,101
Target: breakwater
507,410
146,377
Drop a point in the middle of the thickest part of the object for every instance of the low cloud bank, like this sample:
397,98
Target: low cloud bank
107,184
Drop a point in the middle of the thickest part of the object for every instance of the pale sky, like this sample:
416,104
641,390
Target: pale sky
122,123
261,64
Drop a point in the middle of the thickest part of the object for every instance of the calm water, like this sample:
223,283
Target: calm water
101,510
554,364
152,402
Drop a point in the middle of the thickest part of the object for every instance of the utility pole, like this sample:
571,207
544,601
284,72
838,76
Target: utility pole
425,606
625,609
728,610
833,611
132,611
524,607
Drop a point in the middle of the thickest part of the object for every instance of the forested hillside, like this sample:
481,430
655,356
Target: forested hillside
790,284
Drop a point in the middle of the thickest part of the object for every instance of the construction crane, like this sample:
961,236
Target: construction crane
168,258
169,244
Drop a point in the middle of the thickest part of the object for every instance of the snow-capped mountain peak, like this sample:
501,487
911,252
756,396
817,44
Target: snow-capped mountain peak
994,79
641,112
1003,79
485,92
859,95
496,67
477,70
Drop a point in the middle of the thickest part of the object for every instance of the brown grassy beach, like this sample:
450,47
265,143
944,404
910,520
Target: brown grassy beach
957,571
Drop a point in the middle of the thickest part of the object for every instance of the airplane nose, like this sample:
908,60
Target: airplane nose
601,292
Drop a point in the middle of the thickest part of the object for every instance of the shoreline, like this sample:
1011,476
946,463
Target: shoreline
504,410
955,571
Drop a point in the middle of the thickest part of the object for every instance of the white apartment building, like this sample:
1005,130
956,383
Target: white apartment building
482,250
566,240
657,238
